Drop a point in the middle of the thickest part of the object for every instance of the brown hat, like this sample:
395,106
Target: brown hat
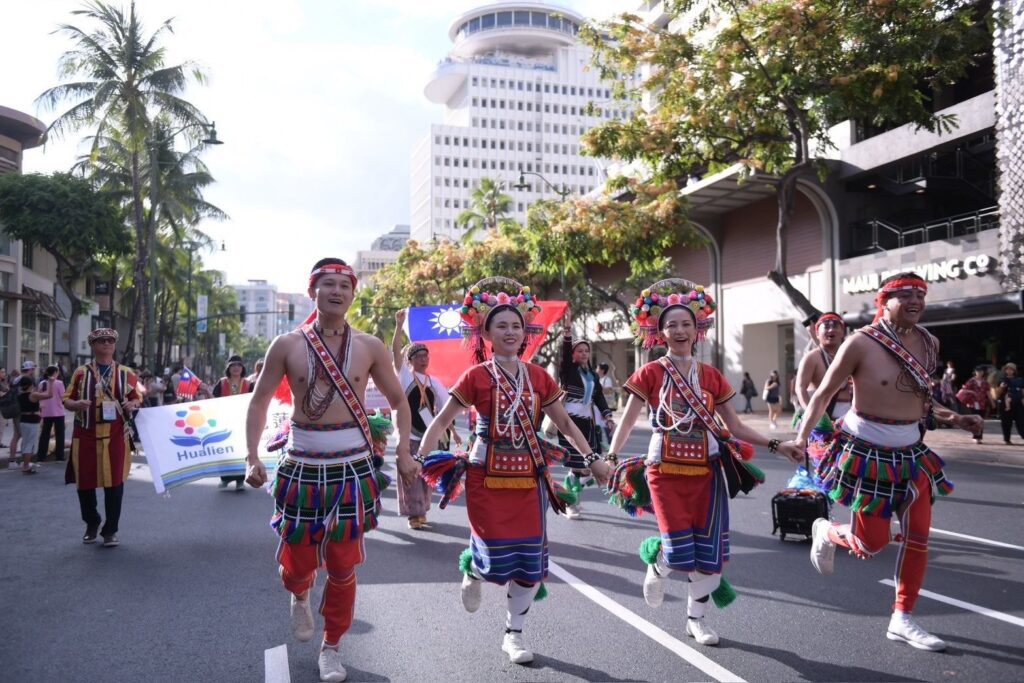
103,333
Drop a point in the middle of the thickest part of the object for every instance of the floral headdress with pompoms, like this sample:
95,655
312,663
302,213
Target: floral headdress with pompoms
664,294
494,294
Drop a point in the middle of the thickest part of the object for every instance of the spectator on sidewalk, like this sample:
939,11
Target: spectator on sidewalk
28,402
52,410
747,391
771,397
1011,408
28,369
233,383
256,370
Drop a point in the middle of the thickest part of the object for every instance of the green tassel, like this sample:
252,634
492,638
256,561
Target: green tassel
754,470
466,561
380,426
542,592
825,424
572,483
649,549
797,416
724,595
568,497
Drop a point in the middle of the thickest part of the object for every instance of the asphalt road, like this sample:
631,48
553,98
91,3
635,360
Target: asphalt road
193,594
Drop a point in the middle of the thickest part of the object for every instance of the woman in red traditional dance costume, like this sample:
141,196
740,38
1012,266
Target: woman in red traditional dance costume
693,464
508,486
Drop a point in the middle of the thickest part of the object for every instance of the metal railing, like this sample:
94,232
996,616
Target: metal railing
880,235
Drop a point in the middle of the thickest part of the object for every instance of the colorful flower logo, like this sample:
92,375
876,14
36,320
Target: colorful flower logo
197,427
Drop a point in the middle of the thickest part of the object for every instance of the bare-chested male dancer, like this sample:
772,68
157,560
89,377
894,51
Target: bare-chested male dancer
878,464
326,489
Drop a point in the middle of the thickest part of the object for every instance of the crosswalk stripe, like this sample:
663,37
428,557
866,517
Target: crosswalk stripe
275,665
985,611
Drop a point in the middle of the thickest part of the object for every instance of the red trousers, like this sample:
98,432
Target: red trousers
868,535
299,564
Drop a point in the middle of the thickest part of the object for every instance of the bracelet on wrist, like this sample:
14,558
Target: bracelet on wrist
612,458
591,458
773,445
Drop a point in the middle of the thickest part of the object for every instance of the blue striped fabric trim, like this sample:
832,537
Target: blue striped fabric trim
503,560
703,549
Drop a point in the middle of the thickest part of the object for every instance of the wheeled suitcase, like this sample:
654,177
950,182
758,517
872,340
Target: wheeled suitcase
794,511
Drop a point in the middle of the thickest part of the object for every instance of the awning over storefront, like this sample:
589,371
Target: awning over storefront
42,303
721,193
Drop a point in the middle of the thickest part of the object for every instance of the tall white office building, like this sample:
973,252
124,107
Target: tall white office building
515,89
257,305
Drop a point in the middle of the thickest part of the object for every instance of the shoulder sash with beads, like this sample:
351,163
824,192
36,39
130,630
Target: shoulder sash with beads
691,398
893,345
341,383
523,417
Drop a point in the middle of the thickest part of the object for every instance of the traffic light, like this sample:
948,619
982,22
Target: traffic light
291,311
241,314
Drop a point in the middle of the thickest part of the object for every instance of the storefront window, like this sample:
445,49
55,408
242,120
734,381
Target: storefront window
28,331
45,338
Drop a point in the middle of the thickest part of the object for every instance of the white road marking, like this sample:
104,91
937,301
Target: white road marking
985,611
978,539
275,665
653,632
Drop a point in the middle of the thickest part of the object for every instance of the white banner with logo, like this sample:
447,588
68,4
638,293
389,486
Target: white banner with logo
184,442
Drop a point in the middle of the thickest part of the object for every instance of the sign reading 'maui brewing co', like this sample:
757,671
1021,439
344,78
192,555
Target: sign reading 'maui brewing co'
189,441
934,271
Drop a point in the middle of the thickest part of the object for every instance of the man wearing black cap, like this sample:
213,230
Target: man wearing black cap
233,383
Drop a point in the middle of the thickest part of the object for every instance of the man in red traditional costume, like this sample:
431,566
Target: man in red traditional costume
693,465
103,395
508,485
327,488
878,463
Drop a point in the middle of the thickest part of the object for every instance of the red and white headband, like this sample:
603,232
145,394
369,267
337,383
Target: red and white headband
332,269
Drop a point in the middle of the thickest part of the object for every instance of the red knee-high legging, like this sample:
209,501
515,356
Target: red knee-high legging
300,563
868,535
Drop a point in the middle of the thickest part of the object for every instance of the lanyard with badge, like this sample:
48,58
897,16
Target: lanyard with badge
426,406
108,408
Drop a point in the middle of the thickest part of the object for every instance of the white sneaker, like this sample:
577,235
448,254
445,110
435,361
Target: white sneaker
330,665
701,632
654,587
573,511
302,619
903,627
823,551
513,646
472,590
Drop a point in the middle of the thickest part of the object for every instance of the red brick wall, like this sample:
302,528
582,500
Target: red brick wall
748,239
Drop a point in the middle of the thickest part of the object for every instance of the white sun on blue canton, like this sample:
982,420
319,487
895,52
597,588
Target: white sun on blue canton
446,320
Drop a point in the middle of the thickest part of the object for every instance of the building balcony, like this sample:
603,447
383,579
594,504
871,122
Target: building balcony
878,235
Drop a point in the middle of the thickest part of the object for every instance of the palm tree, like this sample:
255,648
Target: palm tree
488,211
122,85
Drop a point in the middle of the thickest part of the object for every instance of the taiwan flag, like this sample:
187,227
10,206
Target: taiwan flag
439,328
188,385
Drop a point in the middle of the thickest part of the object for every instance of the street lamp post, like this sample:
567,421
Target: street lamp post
563,194
192,247
149,341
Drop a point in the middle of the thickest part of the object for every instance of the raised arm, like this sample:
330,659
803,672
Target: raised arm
396,339
256,417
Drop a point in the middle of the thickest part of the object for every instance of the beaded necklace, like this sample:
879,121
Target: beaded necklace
665,417
505,423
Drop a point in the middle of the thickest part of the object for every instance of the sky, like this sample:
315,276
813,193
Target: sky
319,104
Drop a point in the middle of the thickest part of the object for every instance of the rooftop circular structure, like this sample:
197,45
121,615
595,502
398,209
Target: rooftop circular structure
524,27
27,130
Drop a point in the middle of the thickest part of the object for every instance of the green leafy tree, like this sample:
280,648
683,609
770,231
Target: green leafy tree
604,249
70,219
488,211
119,84
759,82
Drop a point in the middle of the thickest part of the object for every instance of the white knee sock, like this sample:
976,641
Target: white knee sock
519,599
701,586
